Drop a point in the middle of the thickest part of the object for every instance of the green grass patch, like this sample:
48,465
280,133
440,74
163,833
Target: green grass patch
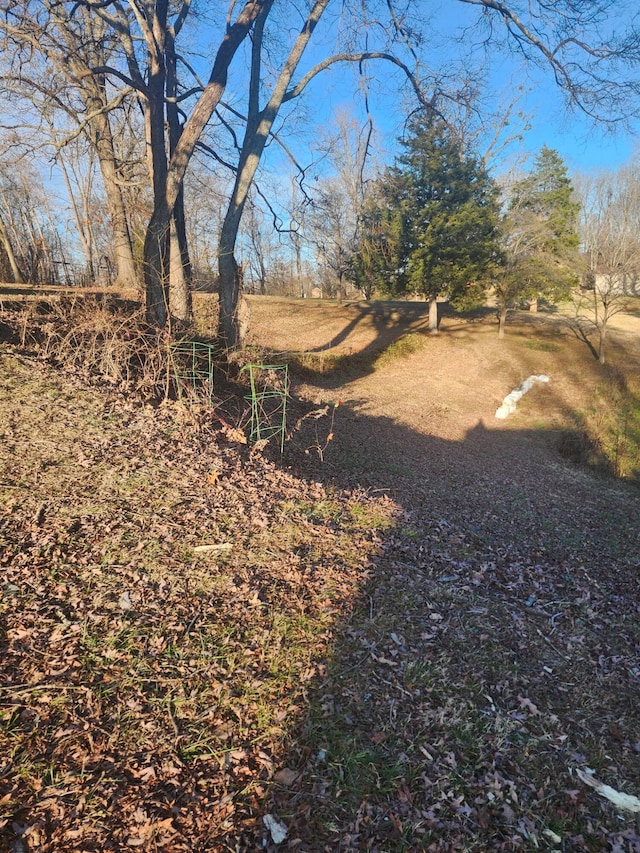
541,346
401,348
318,364
607,435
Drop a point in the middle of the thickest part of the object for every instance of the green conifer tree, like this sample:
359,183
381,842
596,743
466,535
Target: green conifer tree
541,259
432,228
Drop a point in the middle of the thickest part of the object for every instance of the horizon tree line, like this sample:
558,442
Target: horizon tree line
125,78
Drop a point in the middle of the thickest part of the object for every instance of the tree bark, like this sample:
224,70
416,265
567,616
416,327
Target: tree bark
259,124
180,301
5,242
155,247
433,315
180,306
103,142
126,272
502,320
602,329
156,242
228,321
93,89
167,187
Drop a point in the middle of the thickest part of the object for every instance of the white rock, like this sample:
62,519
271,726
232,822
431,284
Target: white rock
278,830
623,801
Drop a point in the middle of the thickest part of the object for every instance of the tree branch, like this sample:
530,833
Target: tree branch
359,58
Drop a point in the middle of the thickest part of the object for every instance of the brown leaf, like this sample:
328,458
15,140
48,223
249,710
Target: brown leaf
378,737
286,777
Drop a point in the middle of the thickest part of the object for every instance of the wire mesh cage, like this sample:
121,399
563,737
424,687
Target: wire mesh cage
191,365
269,385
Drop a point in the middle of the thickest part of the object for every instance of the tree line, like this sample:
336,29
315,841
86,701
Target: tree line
156,100
437,225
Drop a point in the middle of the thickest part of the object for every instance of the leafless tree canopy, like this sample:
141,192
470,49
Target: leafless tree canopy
158,82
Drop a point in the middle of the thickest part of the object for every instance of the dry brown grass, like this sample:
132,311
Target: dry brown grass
381,357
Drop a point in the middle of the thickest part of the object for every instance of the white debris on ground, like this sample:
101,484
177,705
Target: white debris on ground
278,830
623,801
511,400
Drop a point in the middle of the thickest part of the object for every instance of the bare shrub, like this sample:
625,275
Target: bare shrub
98,337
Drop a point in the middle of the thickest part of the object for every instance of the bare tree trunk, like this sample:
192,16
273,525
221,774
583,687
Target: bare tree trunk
80,224
258,128
103,142
298,251
179,289
126,272
228,321
155,242
602,330
8,248
167,187
433,315
180,301
502,319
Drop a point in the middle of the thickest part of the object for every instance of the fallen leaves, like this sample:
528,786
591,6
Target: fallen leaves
367,677
159,626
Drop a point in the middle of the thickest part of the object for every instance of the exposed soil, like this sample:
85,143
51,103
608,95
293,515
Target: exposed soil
517,533
458,378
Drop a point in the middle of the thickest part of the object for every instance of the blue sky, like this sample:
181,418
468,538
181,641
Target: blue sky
584,147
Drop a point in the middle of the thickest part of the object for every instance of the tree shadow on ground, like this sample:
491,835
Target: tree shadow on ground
390,320
398,327
470,676
580,327
491,646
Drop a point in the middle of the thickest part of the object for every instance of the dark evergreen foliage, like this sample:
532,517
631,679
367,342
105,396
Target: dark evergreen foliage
541,241
432,225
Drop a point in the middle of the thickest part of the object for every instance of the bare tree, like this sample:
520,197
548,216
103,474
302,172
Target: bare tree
146,63
610,234
258,128
53,52
594,73
7,247
337,202
30,227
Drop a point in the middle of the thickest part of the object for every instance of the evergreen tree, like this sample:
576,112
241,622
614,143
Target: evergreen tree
540,237
432,228
378,264
547,193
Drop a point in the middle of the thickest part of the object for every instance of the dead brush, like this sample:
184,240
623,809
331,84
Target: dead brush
99,338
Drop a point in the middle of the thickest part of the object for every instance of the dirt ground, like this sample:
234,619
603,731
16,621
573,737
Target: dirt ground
420,427
454,381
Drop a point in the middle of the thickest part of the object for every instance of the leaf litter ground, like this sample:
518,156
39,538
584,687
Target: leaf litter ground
410,647
166,604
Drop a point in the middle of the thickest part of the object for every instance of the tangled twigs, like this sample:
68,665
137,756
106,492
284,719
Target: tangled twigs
320,445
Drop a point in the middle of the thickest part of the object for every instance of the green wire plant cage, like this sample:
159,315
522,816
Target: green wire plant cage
191,365
269,385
